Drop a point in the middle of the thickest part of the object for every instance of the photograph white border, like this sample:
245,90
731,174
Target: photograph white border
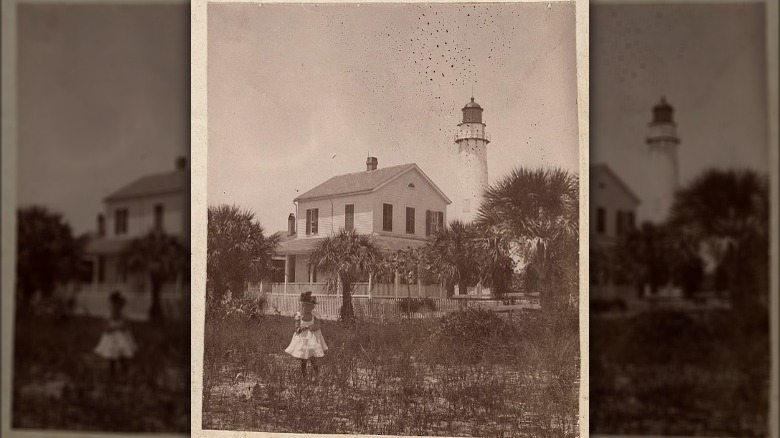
771,17
8,214
199,154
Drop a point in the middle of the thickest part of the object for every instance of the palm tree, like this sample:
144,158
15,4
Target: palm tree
238,251
644,254
536,212
349,256
450,255
160,256
47,253
728,211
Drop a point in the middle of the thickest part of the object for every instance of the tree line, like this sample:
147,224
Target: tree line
50,255
720,218
527,231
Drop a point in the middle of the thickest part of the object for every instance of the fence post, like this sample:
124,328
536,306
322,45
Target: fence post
286,271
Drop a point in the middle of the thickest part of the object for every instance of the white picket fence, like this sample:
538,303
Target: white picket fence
94,302
385,308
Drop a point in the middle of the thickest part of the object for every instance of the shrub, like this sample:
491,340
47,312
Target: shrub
665,336
599,305
414,305
244,308
466,335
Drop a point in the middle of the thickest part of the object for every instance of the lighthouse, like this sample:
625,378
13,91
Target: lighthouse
662,141
471,141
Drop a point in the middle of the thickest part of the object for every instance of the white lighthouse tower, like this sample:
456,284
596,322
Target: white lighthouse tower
662,141
471,140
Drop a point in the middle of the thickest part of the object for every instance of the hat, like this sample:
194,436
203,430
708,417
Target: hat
117,298
307,298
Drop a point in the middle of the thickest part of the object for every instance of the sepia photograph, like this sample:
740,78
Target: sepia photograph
680,186
96,219
387,205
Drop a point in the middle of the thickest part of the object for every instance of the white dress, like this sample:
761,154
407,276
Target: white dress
307,343
116,342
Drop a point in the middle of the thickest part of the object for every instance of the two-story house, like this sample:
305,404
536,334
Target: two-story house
158,201
613,209
398,205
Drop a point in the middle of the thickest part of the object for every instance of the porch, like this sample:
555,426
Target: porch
363,289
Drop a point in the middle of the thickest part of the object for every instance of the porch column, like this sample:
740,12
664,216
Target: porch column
370,277
419,282
95,269
396,283
286,271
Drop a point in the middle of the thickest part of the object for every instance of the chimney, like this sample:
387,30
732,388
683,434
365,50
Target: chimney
181,163
291,224
101,225
371,163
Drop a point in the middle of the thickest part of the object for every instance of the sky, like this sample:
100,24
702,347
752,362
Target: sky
708,60
103,94
300,93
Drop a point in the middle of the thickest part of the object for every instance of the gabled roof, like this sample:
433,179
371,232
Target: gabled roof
364,182
601,167
158,184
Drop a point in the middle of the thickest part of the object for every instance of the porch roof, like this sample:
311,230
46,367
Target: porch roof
387,243
115,245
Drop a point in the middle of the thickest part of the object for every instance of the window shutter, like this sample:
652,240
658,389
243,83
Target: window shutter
387,217
428,221
315,217
410,220
349,216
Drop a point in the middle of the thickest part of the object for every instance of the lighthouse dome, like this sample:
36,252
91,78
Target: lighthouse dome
663,112
472,104
472,112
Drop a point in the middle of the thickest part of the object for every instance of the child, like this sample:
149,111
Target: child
116,343
307,342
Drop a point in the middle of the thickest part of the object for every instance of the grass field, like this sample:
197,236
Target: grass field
58,383
467,376
677,374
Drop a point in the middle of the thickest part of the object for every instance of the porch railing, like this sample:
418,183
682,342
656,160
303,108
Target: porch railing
386,308
92,300
358,289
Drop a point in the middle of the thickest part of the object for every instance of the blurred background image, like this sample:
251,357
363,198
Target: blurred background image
679,220
101,336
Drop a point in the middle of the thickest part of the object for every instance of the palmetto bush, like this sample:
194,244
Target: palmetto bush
238,253
535,212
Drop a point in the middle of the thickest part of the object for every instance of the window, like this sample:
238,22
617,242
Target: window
434,220
601,220
121,275
387,217
120,221
158,216
312,273
466,205
277,275
349,217
409,220
630,220
312,219
291,269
